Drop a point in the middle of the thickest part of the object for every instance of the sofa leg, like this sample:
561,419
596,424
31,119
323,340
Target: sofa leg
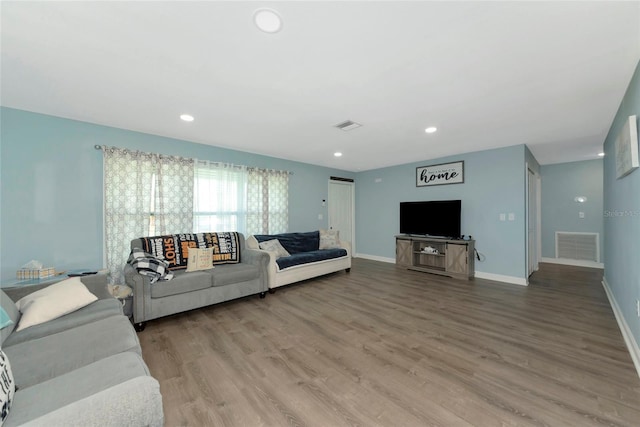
272,290
139,327
348,270
262,295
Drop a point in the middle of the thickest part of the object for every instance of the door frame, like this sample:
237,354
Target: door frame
538,220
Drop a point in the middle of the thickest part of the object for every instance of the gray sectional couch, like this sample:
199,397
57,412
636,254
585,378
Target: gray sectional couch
191,290
84,368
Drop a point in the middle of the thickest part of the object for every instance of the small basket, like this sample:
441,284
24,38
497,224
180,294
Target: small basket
31,273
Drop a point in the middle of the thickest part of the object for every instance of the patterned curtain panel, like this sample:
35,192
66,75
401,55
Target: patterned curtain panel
144,194
267,201
174,195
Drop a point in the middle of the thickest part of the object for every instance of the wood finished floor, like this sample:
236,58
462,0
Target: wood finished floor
383,346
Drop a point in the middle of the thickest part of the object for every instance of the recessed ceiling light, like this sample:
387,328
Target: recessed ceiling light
186,117
431,129
267,20
601,154
337,154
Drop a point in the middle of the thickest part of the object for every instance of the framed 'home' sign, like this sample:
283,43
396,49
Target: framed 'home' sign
444,173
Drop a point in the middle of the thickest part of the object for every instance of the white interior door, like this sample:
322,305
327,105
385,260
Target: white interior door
341,210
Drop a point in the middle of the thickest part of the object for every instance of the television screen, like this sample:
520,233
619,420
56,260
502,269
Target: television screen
440,218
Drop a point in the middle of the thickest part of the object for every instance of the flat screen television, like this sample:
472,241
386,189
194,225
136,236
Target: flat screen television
438,218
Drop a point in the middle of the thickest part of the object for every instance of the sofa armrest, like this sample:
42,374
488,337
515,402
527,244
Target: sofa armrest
346,246
134,402
261,259
141,287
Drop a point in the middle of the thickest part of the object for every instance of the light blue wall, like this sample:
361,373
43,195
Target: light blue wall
494,184
51,187
622,218
561,183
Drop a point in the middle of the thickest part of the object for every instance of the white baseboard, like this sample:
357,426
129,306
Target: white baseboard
629,339
502,278
376,258
575,262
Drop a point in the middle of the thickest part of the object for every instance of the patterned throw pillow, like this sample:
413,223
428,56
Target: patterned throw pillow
199,259
274,246
329,239
7,387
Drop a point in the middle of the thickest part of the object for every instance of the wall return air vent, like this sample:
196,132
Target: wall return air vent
348,125
578,246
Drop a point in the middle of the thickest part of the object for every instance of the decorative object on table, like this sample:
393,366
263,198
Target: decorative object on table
443,173
119,291
627,148
124,294
34,270
430,250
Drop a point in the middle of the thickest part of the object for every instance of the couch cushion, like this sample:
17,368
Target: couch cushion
74,386
98,310
12,311
47,357
229,274
53,301
307,257
182,282
274,246
294,242
7,387
329,239
200,259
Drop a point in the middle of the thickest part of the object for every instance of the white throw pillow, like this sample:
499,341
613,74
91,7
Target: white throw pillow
274,246
329,239
200,259
53,301
7,388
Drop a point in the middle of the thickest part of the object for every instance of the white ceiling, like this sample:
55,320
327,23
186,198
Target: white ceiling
488,74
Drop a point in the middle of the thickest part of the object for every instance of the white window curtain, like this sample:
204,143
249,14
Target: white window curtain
267,201
219,197
144,194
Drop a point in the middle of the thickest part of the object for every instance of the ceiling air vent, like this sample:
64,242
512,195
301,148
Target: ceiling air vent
348,125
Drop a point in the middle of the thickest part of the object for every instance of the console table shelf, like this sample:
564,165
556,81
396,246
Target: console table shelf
452,258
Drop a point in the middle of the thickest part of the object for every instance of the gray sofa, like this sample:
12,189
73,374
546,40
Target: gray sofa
191,290
84,368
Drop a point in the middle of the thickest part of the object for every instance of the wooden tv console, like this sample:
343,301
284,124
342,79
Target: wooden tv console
453,258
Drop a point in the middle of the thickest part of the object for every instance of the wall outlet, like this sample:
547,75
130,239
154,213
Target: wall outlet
581,215
512,216
320,216
503,217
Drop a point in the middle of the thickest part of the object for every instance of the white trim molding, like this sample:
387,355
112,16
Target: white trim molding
376,258
502,278
575,262
629,339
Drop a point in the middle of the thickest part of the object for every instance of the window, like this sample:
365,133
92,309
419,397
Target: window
219,198
236,198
